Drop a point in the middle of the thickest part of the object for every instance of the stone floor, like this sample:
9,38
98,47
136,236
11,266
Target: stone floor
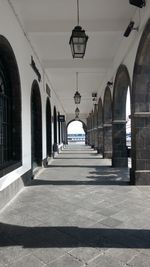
78,212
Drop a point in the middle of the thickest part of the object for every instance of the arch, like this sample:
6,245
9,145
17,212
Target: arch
84,126
36,126
48,128
140,112
10,109
55,129
122,82
92,129
100,127
107,120
107,106
95,122
100,112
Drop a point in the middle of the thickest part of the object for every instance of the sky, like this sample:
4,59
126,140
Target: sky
75,127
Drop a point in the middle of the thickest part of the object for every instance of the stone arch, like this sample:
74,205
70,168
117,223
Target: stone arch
83,125
100,127
48,128
92,128
107,123
121,85
140,112
10,110
36,125
95,125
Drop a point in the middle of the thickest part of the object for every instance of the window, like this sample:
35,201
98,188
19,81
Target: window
5,121
10,110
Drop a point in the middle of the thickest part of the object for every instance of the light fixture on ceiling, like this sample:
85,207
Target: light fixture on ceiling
77,96
130,28
77,112
109,83
76,118
94,98
138,3
78,39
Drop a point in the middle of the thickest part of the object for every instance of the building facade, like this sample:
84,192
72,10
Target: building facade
30,132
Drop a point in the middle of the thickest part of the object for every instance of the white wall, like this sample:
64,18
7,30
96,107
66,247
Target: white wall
12,31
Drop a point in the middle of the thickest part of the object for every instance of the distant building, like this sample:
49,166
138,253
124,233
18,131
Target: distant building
76,137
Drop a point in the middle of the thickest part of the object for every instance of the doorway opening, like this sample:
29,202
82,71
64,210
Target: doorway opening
36,126
76,133
121,87
48,128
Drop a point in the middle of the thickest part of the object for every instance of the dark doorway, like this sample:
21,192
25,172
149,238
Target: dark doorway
36,126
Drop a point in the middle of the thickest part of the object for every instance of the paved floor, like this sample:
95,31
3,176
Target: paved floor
78,212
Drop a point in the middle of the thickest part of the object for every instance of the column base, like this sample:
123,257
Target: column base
107,154
98,151
119,162
141,177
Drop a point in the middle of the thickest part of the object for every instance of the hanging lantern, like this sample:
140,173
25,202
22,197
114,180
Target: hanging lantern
77,111
77,96
76,118
78,39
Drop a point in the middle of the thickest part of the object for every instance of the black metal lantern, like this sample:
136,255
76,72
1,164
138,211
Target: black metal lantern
138,3
77,112
78,39
77,96
76,118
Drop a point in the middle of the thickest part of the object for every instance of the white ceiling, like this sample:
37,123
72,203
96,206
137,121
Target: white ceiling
49,24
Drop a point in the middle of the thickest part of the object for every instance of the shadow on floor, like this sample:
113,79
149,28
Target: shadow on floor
64,237
110,176
97,181
72,166
99,176
68,158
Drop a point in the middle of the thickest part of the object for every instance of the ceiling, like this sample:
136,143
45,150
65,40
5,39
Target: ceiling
49,24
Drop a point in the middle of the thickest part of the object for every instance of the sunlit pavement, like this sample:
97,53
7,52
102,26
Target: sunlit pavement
78,212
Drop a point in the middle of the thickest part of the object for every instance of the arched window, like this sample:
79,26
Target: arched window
5,120
10,110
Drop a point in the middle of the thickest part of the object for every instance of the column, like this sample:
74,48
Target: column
140,172
119,155
107,140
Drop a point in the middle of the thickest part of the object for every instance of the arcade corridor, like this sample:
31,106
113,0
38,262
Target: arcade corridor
79,211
